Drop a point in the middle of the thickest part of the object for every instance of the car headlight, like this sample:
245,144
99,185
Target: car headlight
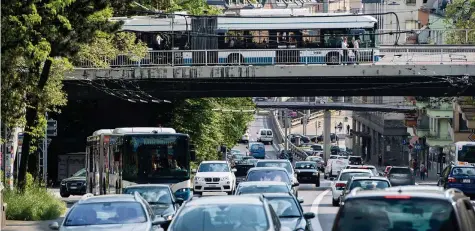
63,183
225,178
315,173
199,178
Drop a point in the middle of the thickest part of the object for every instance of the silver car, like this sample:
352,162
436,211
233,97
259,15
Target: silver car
118,212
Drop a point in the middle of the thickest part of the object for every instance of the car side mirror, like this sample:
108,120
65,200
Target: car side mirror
54,226
193,170
309,215
295,184
300,200
179,201
159,221
233,170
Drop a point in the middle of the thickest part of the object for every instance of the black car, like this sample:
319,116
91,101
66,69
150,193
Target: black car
160,198
289,210
242,166
406,208
303,139
74,185
307,172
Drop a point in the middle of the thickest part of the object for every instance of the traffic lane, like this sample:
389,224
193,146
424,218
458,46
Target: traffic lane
259,122
319,201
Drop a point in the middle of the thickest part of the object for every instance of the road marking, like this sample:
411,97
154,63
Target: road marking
314,209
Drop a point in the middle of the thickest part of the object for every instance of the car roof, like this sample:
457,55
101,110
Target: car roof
355,170
400,167
305,161
218,200
109,198
245,183
362,166
214,162
267,169
277,195
148,185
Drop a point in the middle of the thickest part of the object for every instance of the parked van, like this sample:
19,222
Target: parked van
265,136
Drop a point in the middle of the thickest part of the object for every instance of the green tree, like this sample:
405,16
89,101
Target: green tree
461,15
40,38
210,128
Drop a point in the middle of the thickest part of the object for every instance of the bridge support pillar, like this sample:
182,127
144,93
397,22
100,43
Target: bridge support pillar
326,134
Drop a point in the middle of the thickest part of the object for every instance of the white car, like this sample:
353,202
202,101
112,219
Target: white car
265,136
214,176
339,184
245,138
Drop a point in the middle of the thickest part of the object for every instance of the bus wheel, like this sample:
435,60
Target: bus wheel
235,59
333,58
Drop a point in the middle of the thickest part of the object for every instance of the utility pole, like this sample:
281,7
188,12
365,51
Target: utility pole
286,124
326,134
307,115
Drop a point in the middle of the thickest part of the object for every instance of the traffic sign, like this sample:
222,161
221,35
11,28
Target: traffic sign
418,147
52,129
472,136
404,141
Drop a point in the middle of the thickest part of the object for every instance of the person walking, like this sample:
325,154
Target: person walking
348,129
344,46
356,47
380,160
423,171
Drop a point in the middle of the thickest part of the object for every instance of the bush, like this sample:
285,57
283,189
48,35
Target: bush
34,204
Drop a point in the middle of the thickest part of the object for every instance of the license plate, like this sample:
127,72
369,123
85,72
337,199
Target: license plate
73,187
466,181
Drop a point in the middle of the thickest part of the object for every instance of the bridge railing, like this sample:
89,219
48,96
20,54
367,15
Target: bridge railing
428,37
392,55
298,154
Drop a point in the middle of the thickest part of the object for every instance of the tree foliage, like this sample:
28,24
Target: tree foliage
41,37
461,15
210,128
194,7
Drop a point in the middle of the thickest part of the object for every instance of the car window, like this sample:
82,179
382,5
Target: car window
369,184
263,132
153,195
463,171
347,175
400,171
280,164
269,133
285,207
213,167
106,213
80,173
355,159
317,147
229,217
252,189
268,175
396,213
305,165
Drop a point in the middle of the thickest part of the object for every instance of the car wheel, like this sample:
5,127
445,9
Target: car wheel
335,202
318,183
325,176
64,195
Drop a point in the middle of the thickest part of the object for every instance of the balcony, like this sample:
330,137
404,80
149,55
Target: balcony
438,140
466,106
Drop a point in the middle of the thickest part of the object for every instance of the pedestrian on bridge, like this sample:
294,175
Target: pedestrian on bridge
348,129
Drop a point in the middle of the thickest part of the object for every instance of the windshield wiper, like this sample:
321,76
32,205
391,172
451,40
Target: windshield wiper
289,216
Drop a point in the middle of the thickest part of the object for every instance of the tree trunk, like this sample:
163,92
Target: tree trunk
31,117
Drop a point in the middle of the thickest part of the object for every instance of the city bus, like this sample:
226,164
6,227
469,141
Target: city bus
141,155
259,37
461,153
97,157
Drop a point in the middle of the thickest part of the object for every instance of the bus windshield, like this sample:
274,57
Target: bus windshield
467,154
150,157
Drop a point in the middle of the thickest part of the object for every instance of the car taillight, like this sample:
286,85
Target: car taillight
452,180
340,185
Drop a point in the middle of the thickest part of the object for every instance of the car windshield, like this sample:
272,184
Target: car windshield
285,206
347,175
417,214
257,147
355,159
406,171
252,189
463,171
80,173
153,195
305,165
369,184
105,213
229,217
279,164
314,158
268,175
213,167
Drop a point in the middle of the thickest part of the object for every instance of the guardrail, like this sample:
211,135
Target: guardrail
298,121
391,55
297,153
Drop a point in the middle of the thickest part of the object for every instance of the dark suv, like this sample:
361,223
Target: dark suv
74,185
407,208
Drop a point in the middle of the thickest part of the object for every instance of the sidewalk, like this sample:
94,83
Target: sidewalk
312,130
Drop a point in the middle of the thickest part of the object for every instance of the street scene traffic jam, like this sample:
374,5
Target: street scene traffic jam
206,115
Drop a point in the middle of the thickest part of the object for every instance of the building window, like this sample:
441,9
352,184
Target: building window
410,2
